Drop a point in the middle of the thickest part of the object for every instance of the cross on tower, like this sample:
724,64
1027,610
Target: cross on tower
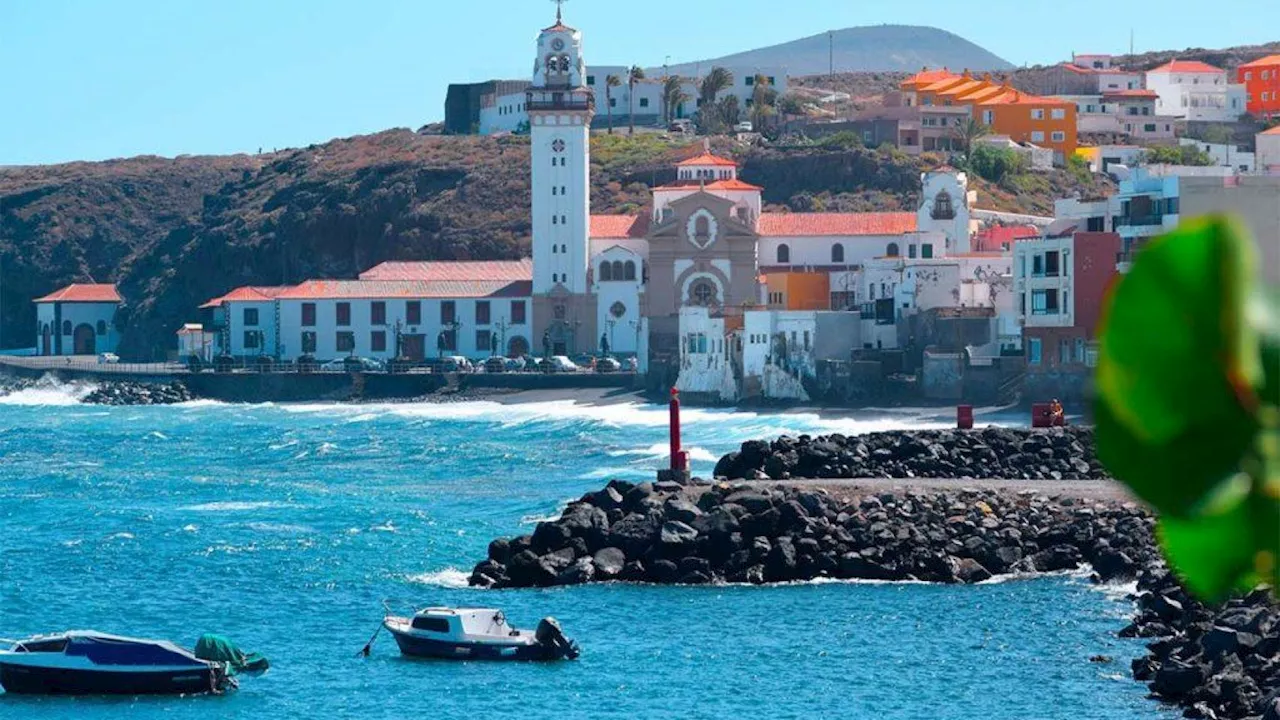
558,3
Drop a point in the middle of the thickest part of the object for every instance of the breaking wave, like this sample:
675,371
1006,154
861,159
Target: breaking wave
450,577
47,391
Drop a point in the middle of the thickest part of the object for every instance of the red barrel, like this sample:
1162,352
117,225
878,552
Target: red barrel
964,417
1041,415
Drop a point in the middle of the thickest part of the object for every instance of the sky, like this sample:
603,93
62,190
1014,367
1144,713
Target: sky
99,79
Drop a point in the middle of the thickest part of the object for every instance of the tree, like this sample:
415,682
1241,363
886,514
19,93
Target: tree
634,75
712,84
672,95
995,164
728,110
1178,155
968,132
611,81
791,104
763,101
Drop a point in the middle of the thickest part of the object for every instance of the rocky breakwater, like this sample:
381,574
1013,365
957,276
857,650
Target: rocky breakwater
1007,453
131,393
1217,662
668,533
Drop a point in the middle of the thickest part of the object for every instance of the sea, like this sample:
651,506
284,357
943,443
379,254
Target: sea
290,527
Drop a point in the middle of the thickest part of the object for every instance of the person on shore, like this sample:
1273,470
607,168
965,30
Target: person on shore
1057,416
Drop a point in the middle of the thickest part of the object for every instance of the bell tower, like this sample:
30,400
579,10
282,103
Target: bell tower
560,107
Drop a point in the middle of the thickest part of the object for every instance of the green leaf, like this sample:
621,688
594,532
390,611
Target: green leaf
1213,554
1178,365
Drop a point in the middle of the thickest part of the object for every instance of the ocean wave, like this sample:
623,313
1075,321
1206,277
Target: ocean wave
48,391
662,450
233,506
450,577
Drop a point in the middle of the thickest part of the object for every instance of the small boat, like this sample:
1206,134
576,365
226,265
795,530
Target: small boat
85,662
479,634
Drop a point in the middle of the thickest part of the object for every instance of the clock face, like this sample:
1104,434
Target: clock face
557,44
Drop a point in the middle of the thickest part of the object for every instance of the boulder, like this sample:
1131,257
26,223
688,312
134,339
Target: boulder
634,533
609,562
677,508
582,570
970,571
676,533
1175,680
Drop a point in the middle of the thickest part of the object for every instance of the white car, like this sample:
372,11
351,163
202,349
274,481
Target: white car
744,126
558,364
108,358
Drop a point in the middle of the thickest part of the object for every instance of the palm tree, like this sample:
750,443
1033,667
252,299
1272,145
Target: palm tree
968,132
715,81
634,75
611,81
672,95
763,99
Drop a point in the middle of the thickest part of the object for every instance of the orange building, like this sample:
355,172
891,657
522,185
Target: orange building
798,290
1261,80
1046,122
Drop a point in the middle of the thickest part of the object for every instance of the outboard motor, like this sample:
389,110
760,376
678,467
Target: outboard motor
550,636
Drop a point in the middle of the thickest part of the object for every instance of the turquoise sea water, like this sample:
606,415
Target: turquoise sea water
286,527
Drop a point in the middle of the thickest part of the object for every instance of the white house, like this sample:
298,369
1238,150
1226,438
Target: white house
245,320
1268,156
1195,91
78,319
1228,155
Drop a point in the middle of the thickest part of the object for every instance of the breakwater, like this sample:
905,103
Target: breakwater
134,393
1052,453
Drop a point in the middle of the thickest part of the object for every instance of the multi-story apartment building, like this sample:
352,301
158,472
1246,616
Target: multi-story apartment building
1261,80
1196,91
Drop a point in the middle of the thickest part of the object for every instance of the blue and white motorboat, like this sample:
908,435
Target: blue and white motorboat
85,662
477,634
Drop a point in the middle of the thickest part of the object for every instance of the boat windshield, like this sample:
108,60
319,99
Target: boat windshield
431,624
54,645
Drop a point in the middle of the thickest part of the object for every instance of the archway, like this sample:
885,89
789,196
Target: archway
517,347
46,344
84,340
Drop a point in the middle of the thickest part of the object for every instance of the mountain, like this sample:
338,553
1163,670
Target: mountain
902,48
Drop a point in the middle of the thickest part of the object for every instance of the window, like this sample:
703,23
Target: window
251,316
308,314
1037,136
1037,265
1066,264
617,309
378,312
1051,263
345,341
771,80
378,341
413,312
703,293
629,271
942,208
644,102
484,341
837,253
1064,351
482,312
606,271
1058,136
591,79
617,269
1058,113
751,80
806,339
447,340
926,250
1149,127
891,250
308,342
448,312
1022,303
911,250
1033,351
517,312
102,327
430,624
701,229
1037,114
251,339
344,313
784,253
1079,350
1044,302
555,220
613,102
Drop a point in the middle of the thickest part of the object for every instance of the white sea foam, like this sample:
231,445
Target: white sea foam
121,536
661,450
190,528
232,506
48,391
388,526
450,577
278,527
157,435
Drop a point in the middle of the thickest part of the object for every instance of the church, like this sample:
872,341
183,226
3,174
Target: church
704,241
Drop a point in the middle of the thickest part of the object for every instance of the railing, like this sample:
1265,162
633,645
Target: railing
1141,219
559,105
254,366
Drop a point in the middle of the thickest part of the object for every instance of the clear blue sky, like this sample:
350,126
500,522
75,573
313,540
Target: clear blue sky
95,79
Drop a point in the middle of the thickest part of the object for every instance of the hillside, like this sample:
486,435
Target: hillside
173,233
902,48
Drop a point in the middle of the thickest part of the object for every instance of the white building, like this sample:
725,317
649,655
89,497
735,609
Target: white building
1229,155
78,319
1196,91
1268,157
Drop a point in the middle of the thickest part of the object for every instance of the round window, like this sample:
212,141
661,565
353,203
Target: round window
618,310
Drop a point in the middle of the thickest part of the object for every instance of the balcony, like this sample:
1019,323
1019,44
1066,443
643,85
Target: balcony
1141,220
562,104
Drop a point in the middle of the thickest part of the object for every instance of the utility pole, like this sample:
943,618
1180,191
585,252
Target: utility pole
831,54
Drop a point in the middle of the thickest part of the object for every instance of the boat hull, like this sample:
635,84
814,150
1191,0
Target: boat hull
21,679
418,646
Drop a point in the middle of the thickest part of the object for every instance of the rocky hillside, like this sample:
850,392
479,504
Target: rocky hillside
173,233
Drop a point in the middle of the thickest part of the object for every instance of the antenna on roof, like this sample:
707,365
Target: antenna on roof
558,3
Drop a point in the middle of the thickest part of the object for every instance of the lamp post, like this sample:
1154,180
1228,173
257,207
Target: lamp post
502,337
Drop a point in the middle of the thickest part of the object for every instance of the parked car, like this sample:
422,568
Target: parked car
354,364
515,364
607,365
585,361
495,364
107,358
557,364
744,126
457,363
680,125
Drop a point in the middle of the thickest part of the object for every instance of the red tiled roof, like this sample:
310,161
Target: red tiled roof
619,226
373,289
1185,66
1273,131
1017,97
707,158
84,292
1080,69
816,224
434,271
734,184
558,27
1131,93
248,293
1262,62
925,77
994,237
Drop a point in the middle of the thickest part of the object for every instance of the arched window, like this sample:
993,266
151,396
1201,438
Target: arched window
784,253
66,327
702,293
837,253
629,271
891,250
617,269
606,271
102,327
942,209
701,227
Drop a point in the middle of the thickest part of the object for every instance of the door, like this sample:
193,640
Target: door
517,347
47,341
413,347
83,340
